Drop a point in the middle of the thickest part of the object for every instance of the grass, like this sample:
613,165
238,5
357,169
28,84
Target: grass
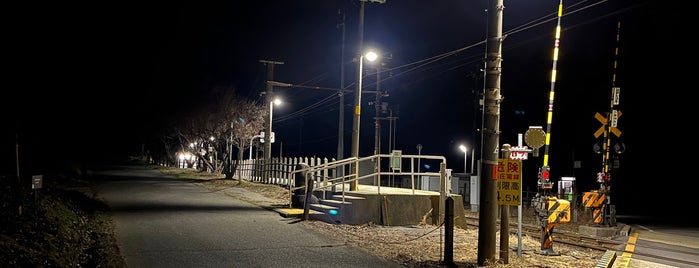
58,225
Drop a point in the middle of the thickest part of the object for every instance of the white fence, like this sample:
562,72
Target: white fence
278,169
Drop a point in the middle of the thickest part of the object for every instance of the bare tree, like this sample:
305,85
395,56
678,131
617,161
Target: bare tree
247,121
211,132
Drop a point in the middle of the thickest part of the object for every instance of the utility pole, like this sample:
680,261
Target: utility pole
377,124
357,99
267,152
358,93
341,93
490,135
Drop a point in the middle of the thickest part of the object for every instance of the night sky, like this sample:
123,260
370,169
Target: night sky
100,78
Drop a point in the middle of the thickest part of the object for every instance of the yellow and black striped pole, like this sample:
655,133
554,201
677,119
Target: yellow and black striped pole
544,183
545,204
610,125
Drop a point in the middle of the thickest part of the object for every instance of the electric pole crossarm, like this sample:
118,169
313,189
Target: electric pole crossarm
287,85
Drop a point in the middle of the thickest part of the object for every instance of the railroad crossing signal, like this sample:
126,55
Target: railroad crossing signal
612,128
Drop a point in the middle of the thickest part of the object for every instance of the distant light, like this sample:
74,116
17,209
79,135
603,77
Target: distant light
371,56
463,148
332,212
277,101
427,166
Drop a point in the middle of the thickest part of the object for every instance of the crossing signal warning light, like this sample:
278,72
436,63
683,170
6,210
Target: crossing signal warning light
544,172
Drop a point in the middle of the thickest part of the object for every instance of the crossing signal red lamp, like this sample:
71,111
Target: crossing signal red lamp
544,172
544,183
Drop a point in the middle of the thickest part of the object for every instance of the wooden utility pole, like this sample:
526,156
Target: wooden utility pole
267,152
491,135
341,126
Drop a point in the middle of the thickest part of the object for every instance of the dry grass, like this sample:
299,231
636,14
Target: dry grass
412,246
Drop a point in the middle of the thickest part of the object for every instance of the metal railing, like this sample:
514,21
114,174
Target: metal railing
323,182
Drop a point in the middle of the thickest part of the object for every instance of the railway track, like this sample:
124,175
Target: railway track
562,236
604,244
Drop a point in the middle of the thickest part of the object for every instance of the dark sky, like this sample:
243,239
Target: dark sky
101,77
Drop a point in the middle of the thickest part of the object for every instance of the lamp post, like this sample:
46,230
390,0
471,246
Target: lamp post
358,92
276,101
371,56
465,150
268,98
419,153
268,138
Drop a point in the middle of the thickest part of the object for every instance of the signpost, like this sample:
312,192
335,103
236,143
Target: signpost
37,181
396,160
509,182
519,153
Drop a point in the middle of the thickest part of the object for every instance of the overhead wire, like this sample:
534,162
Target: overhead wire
427,64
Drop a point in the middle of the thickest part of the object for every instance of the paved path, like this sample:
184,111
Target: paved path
166,222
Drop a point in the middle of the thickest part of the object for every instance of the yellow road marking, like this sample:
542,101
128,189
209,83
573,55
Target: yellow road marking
625,257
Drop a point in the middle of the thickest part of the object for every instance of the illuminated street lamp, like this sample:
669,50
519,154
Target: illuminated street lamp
276,101
358,93
465,150
370,56
269,138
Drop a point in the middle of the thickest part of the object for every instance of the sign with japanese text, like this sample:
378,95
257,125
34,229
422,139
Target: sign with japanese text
509,182
519,153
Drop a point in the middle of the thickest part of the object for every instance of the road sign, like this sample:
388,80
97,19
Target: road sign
37,181
509,182
262,137
519,153
615,116
535,137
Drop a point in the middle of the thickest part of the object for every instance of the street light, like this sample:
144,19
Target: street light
276,101
419,154
268,138
371,56
465,150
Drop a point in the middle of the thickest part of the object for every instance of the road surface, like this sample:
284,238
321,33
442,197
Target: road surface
165,222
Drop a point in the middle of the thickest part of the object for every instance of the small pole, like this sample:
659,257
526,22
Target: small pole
449,231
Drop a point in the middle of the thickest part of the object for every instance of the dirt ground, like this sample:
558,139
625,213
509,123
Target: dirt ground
423,246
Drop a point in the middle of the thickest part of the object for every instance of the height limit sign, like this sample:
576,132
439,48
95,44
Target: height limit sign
509,181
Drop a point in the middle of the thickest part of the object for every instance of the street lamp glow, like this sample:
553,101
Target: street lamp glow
371,56
465,150
276,101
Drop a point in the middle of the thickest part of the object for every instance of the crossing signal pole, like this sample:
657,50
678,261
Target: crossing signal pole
551,210
600,200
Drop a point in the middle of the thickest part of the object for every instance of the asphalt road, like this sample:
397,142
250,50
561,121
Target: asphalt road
166,222
657,243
